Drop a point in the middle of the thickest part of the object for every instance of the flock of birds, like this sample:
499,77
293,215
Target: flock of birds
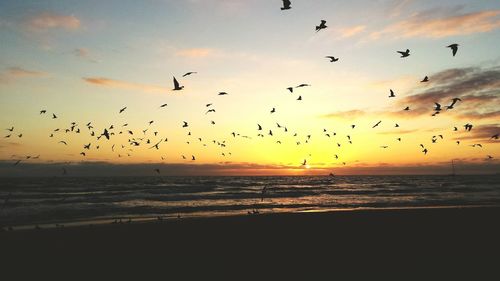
152,140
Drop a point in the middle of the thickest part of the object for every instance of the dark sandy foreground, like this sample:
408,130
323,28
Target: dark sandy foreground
452,241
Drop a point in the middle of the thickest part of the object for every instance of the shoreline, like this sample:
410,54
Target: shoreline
168,217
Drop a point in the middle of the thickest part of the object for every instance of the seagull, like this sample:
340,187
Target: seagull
489,156
426,79
208,104
189,73
397,125
453,102
82,153
106,134
222,93
63,142
303,85
122,110
405,53
43,111
54,116
273,110
454,48
495,136
407,108
286,5
332,59
304,163
185,124
157,171
260,127
210,110
322,25
438,107
290,89
392,95
299,98
163,105
377,124
177,87
193,158
10,129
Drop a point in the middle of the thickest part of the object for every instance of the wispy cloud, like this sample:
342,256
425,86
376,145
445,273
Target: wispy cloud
13,73
346,32
429,25
348,114
195,52
49,20
111,83
84,53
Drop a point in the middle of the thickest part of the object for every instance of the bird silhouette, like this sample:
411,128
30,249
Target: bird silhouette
63,142
189,73
322,25
286,5
290,89
185,124
453,102
299,98
273,110
106,134
43,111
391,95
303,85
407,108
454,48
405,53
54,116
495,136
222,93
377,124
332,59
304,163
122,110
438,107
260,127
426,79
177,87
210,110
163,105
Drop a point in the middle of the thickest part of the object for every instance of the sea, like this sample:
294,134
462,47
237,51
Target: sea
57,201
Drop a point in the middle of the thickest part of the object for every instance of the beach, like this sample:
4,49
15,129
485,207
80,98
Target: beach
419,239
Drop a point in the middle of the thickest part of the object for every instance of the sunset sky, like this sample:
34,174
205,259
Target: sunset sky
85,60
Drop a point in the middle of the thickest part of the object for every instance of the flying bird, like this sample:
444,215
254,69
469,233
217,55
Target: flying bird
106,134
290,89
426,79
303,85
495,136
299,98
63,142
177,87
286,5
43,111
377,124
163,105
454,48
273,110
54,116
405,53
407,108
210,110
453,102
392,95
222,93
332,59
122,110
189,73
260,127
185,124
322,25
438,107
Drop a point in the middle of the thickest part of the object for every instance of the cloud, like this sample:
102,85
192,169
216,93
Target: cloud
111,83
478,88
13,73
347,32
195,52
84,54
348,114
49,20
429,25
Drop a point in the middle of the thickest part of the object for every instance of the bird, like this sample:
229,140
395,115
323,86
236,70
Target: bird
407,108
495,136
303,85
163,105
468,127
425,151
299,98
208,104
392,95
304,163
82,153
86,146
286,5
426,79
122,110
189,73
453,102
260,127
405,53
193,158
185,124
322,25
63,142
454,48
222,93
384,146
273,110
157,171
10,129
290,89
210,110
377,124
106,134
489,156
54,116
397,125
150,122
43,111
438,107
332,59
177,87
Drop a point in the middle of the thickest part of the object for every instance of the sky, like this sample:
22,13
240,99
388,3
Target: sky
85,60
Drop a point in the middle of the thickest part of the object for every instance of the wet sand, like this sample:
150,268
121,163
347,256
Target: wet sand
414,240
